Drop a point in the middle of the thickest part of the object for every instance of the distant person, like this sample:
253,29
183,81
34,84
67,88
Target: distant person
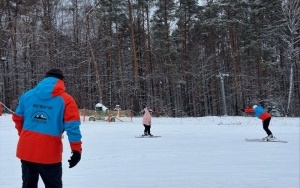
41,117
262,114
147,121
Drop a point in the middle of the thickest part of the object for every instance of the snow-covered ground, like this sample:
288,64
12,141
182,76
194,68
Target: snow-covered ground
208,152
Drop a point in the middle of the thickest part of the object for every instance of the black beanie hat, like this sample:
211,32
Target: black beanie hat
56,73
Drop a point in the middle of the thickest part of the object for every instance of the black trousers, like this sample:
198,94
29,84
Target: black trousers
51,174
266,124
147,129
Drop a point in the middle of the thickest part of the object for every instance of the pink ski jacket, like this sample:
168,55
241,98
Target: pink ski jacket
147,117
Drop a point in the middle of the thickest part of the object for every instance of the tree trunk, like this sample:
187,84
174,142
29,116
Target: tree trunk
135,64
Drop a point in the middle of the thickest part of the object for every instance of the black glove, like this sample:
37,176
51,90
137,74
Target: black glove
75,158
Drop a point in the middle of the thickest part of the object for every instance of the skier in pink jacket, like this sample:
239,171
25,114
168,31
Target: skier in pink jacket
147,121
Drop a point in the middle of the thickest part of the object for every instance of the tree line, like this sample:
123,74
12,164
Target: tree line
167,54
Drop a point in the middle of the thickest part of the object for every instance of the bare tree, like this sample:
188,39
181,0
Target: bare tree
291,10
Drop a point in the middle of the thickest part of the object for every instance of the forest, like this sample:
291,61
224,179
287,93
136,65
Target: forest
182,58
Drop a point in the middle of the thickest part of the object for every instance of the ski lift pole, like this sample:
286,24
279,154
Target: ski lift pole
221,76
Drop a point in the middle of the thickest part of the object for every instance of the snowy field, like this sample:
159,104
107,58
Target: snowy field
207,152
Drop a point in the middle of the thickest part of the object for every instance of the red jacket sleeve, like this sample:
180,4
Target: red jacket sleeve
248,110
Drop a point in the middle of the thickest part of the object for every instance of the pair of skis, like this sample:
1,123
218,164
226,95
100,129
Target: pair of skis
147,136
262,140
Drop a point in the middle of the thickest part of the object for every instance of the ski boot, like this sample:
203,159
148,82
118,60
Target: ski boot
145,134
269,138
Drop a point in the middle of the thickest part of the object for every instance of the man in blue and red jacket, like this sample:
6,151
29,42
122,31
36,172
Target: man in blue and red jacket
262,114
42,115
